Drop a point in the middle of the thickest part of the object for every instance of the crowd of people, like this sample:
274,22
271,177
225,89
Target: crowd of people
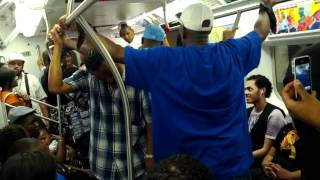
188,109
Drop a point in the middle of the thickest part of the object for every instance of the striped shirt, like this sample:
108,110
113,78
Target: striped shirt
107,151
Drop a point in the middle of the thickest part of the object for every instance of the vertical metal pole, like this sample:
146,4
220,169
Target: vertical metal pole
104,52
3,115
59,114
58,108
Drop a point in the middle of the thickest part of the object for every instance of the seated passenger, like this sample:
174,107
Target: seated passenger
8,135
29,166
30,145
25,117
27,145
265,120
283,160
55,143
305,111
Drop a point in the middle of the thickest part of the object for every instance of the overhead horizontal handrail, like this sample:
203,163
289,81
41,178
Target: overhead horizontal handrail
301,37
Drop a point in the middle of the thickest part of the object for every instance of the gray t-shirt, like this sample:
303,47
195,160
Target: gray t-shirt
275,122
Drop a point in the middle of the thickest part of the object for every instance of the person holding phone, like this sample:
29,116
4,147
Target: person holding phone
305,111
306,108
301,69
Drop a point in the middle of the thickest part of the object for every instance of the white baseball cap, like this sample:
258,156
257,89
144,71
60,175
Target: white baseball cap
16,56
197,17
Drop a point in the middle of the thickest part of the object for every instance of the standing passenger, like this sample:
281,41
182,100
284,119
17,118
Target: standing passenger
28,84
195,107
107,152
126,32
153,36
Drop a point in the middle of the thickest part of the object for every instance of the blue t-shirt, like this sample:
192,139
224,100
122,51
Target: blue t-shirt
198,104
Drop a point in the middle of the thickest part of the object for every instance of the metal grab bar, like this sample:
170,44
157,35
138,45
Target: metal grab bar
38,115
70,6
41,102
104,52
80,9
58,108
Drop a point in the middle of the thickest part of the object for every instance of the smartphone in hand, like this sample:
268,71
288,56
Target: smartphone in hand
301,69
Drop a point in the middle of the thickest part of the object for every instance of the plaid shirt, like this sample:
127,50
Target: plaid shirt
107,152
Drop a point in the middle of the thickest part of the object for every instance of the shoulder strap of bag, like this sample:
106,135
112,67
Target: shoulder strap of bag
27,83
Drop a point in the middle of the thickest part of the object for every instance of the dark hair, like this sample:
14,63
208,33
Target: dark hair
25,145
45,58
29,166
123,25
93,61
262,82
179,41
180,167
6,76
1,64
8,135
150,42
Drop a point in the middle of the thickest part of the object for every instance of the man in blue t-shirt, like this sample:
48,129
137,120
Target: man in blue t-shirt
198,104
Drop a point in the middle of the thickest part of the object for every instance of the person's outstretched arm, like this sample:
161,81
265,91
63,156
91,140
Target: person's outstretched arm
306,108
116,51
55,76
262,25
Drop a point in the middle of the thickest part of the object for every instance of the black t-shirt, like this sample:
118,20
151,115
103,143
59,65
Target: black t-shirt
52,98
309,136
288,146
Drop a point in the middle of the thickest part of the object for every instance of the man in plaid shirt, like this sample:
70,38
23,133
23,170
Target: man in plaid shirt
107,153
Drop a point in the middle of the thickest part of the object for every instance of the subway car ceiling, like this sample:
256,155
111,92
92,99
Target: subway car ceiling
17,15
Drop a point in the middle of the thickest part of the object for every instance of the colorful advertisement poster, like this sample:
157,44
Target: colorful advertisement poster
298,16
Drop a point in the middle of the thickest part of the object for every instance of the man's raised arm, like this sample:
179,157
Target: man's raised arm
56,85
116,51
266,19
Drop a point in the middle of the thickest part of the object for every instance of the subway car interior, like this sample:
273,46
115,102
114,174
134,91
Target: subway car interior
159,89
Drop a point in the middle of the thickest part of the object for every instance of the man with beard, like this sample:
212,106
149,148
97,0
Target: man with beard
28,84
265,120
